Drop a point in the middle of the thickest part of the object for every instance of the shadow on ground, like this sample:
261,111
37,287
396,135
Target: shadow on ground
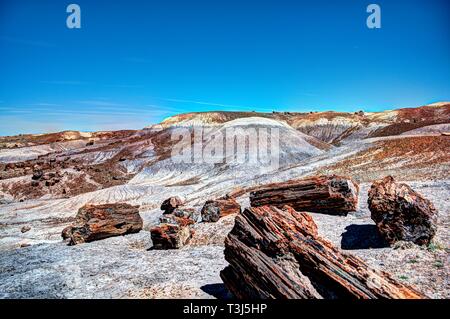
362,237
218,291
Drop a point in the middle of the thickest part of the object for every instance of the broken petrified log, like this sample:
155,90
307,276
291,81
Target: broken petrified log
95,222
213,210
334,195
169,205
276,253
173,235
400,213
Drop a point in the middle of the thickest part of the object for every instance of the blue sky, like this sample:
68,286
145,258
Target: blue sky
135,62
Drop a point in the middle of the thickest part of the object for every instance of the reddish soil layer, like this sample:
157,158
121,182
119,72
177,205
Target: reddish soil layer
412,118
419,156
25,140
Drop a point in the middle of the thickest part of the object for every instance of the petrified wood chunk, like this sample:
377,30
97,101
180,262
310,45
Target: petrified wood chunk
176,219
25,229
94,222
401,213
37,174
213,210
334,195
185,212
173,235
275,253
169,205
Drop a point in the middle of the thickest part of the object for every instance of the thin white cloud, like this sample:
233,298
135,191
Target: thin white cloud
75,113
101,103
27,42
136,60
308,94
15,111
204,103
88,113
105,105
63,82
46,104
125,86
247,107
74,82
162,107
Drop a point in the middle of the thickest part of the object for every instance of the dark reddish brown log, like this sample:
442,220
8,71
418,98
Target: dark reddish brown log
169,205
334,195
95,222
213,210
276,253
401,213
173,235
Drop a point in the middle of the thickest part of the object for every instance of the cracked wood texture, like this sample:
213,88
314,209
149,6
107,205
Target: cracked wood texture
95,222
335,195
172,235
401,213
277,253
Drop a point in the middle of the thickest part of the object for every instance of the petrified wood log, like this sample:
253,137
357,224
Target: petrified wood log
275,253
94,222
213,210
173,235
334,195
401,213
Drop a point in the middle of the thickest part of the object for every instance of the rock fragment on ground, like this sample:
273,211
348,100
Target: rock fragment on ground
170,204
172,235
183,213
25,229
400,213
213,210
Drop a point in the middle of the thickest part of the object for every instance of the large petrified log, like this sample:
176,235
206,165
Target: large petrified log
94,222
213,210
276,253
334,195
401,213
